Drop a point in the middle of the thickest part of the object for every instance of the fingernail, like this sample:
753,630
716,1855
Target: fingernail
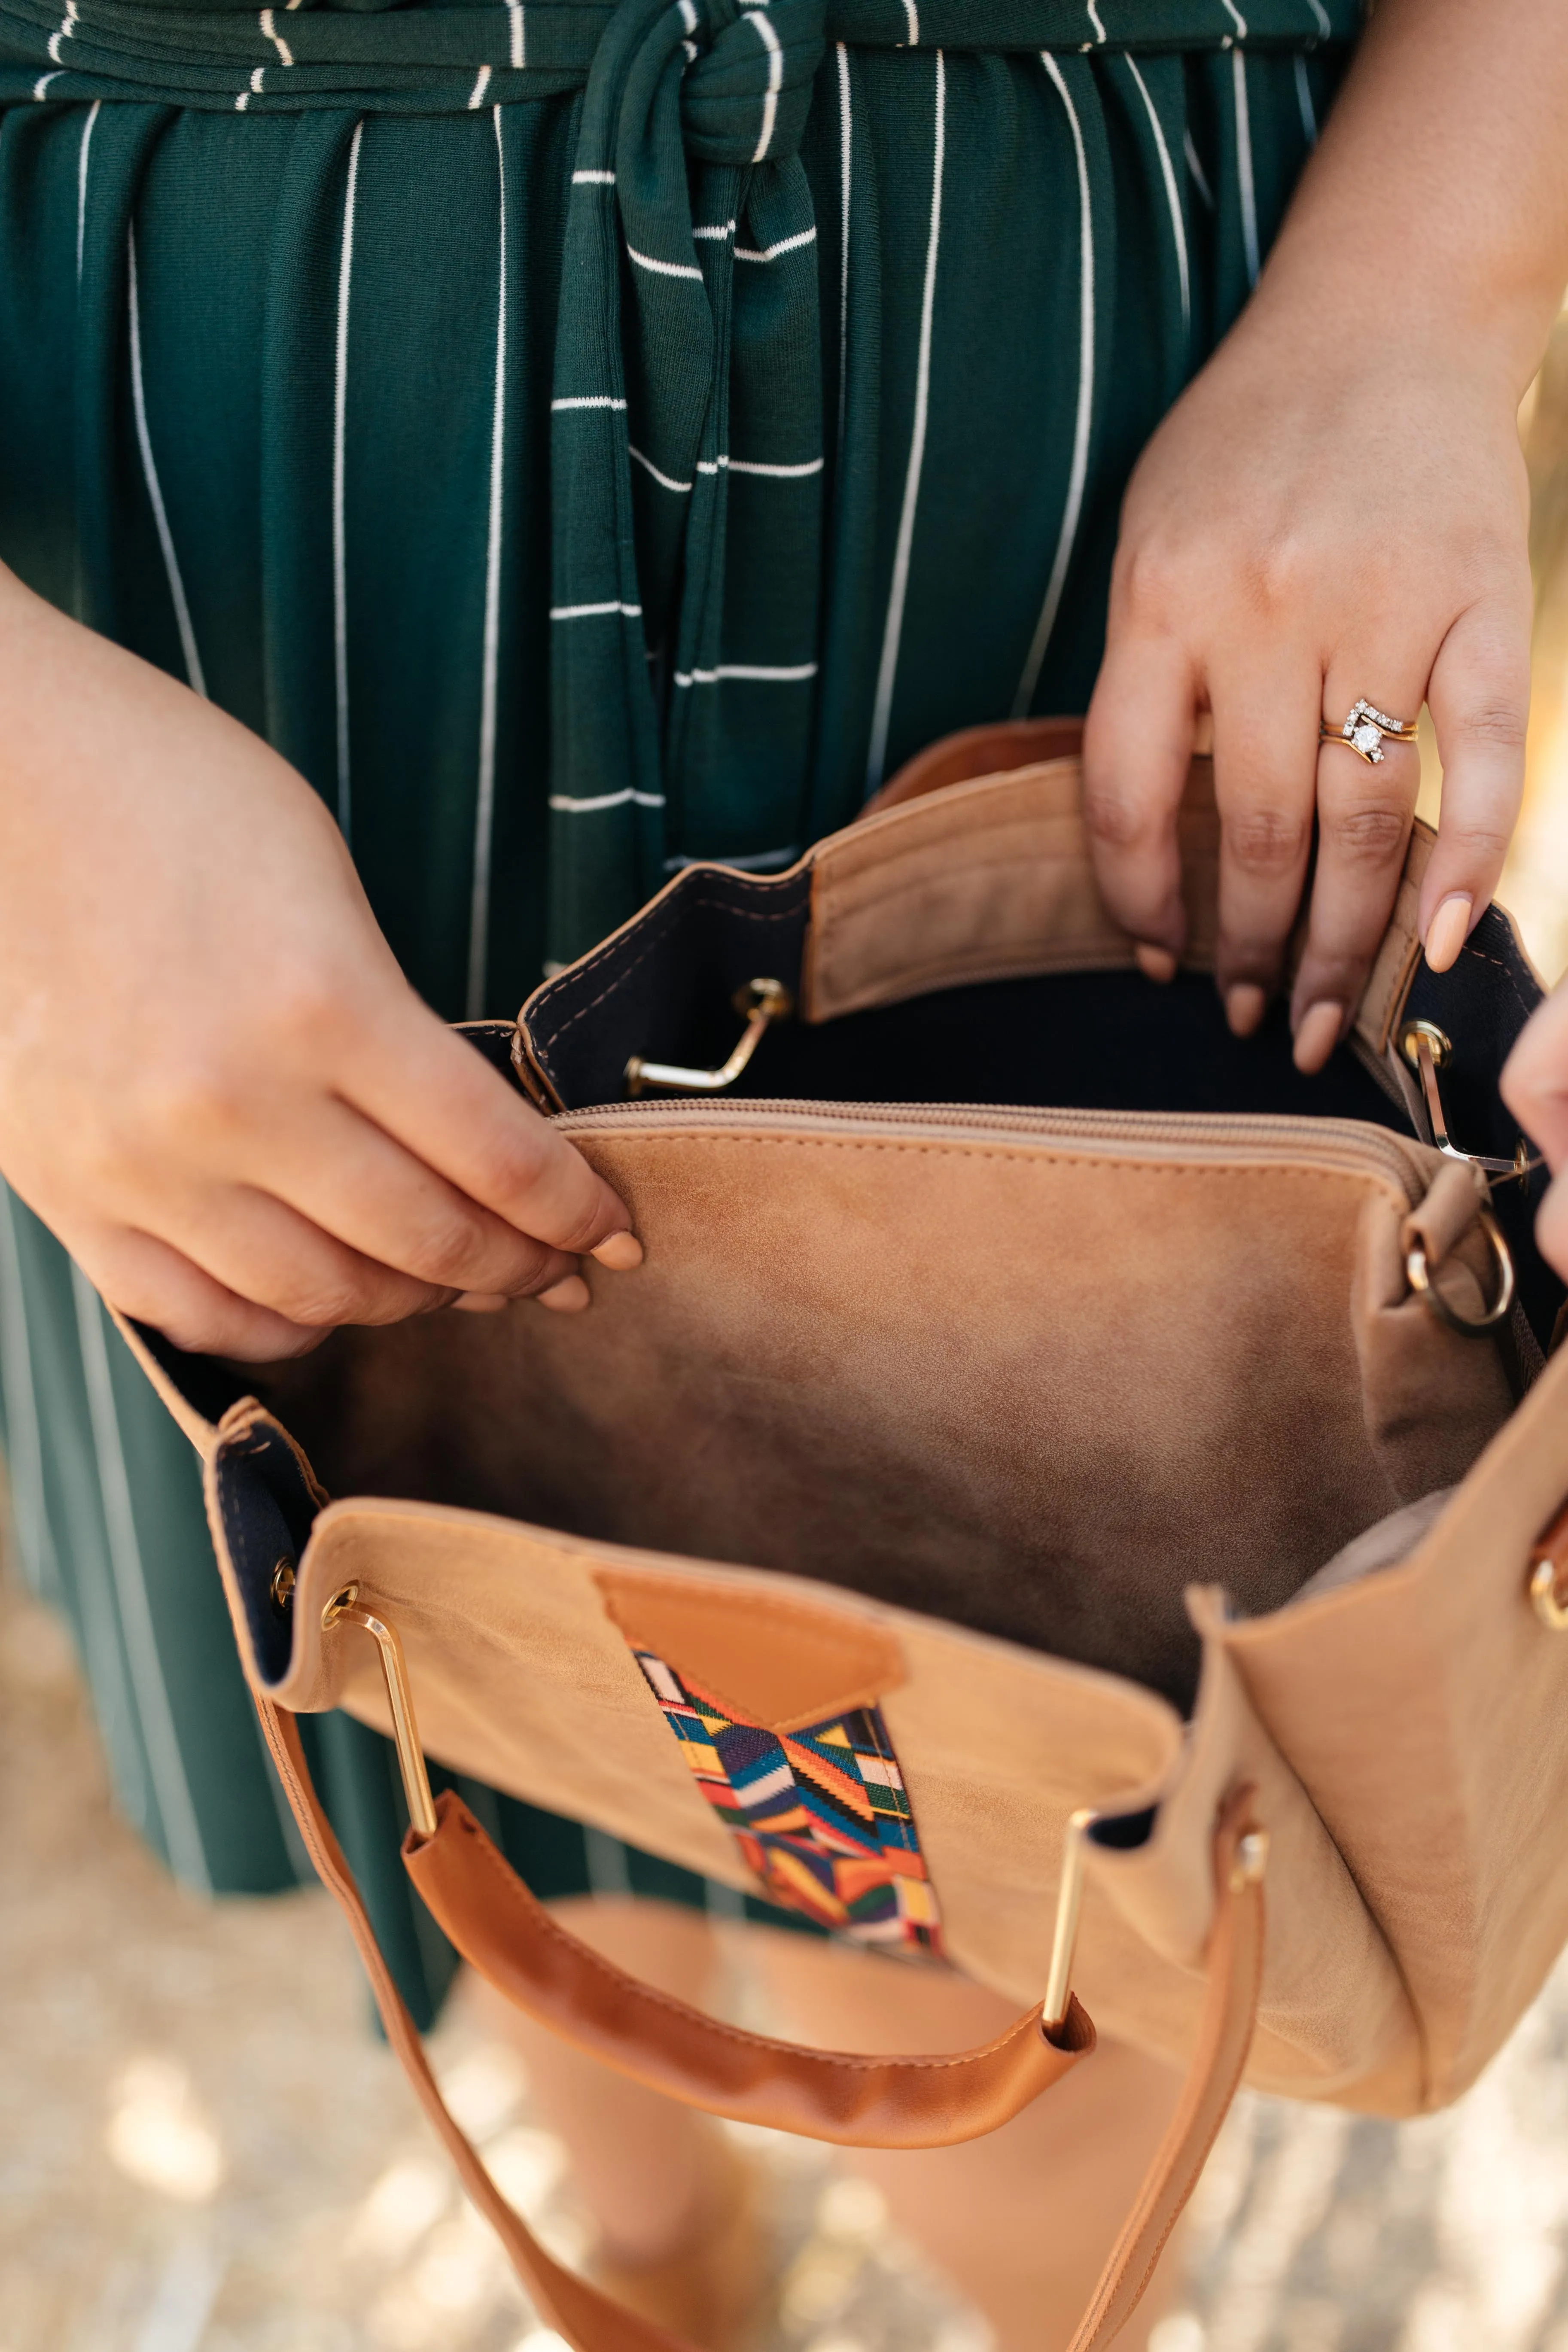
619,1252
1317,1034
567,1296
1245,1005
1155,964
1447,931
481,1302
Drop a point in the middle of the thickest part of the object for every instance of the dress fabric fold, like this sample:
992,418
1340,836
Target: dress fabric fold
583,439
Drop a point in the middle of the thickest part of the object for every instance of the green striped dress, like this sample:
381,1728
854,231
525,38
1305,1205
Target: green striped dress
583,438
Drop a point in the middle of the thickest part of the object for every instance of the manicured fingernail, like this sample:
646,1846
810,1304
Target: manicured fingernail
481,1302
1447,931
1155,964
1317,1034
567,1296
1245,1005
619,1252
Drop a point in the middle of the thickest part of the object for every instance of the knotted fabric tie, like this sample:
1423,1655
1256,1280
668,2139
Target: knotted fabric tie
686,175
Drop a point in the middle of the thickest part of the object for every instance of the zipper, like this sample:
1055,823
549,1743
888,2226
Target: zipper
1350,1146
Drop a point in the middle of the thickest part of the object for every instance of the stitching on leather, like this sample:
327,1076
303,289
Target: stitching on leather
1035,1158
519,1893
1500,964
657,928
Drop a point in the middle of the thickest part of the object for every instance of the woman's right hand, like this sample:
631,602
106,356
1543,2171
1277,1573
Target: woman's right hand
215,1085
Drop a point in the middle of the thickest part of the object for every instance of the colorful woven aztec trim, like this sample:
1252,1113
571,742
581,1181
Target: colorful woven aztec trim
821,1814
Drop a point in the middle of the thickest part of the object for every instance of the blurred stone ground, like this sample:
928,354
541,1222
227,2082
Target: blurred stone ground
204,2149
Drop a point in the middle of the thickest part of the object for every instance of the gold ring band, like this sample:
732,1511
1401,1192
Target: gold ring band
1366,731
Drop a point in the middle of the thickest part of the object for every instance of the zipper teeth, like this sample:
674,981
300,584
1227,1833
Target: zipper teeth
1350,1144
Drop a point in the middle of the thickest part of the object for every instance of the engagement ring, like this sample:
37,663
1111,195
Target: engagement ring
1366,730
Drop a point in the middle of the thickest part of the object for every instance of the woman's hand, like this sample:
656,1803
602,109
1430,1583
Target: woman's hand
1535,1089
1337,510
215,1085
1310,526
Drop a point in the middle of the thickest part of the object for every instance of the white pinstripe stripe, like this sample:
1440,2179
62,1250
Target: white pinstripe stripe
912,21
775,473
41,85
588,400
1200,180
594,612
1245,188
485,795
1094,20
1172,198
182,1831
893,628
716,230
477,95
1321,15
593,179
665,481
67,25
1236,18
688,15
339,545
270,26
774,48
519,52
81,183
1079,469
772,252
567,806
1304,103
23,1432
193,660
845,143
758,673
665,268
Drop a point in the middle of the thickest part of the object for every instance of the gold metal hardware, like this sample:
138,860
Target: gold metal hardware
1251,1861
282,1587
343,1609
1469,1326
1429,1049
1069,1907
759,1002
1548,1558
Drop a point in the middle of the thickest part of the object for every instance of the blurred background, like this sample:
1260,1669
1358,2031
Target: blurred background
203,2148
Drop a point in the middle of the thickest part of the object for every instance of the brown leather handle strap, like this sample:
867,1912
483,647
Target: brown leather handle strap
1225,2036
590,2321
504,1932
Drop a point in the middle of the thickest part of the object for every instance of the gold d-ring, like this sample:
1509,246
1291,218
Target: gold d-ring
1469,1326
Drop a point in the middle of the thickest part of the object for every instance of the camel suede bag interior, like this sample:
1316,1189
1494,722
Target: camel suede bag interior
1115,1418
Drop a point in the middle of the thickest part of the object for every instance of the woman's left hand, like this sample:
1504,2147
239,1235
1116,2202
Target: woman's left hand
1315,522
1338,508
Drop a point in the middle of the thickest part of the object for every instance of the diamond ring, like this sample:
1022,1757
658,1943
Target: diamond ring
1366,731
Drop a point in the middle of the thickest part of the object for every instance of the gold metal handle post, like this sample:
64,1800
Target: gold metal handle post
1070,1907
759,1002
1427,1049
343,1609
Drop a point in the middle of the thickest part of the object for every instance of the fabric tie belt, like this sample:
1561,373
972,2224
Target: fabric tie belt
688,305
429,59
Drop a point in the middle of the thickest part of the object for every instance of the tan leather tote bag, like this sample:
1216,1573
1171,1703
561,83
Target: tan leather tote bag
1056,1473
